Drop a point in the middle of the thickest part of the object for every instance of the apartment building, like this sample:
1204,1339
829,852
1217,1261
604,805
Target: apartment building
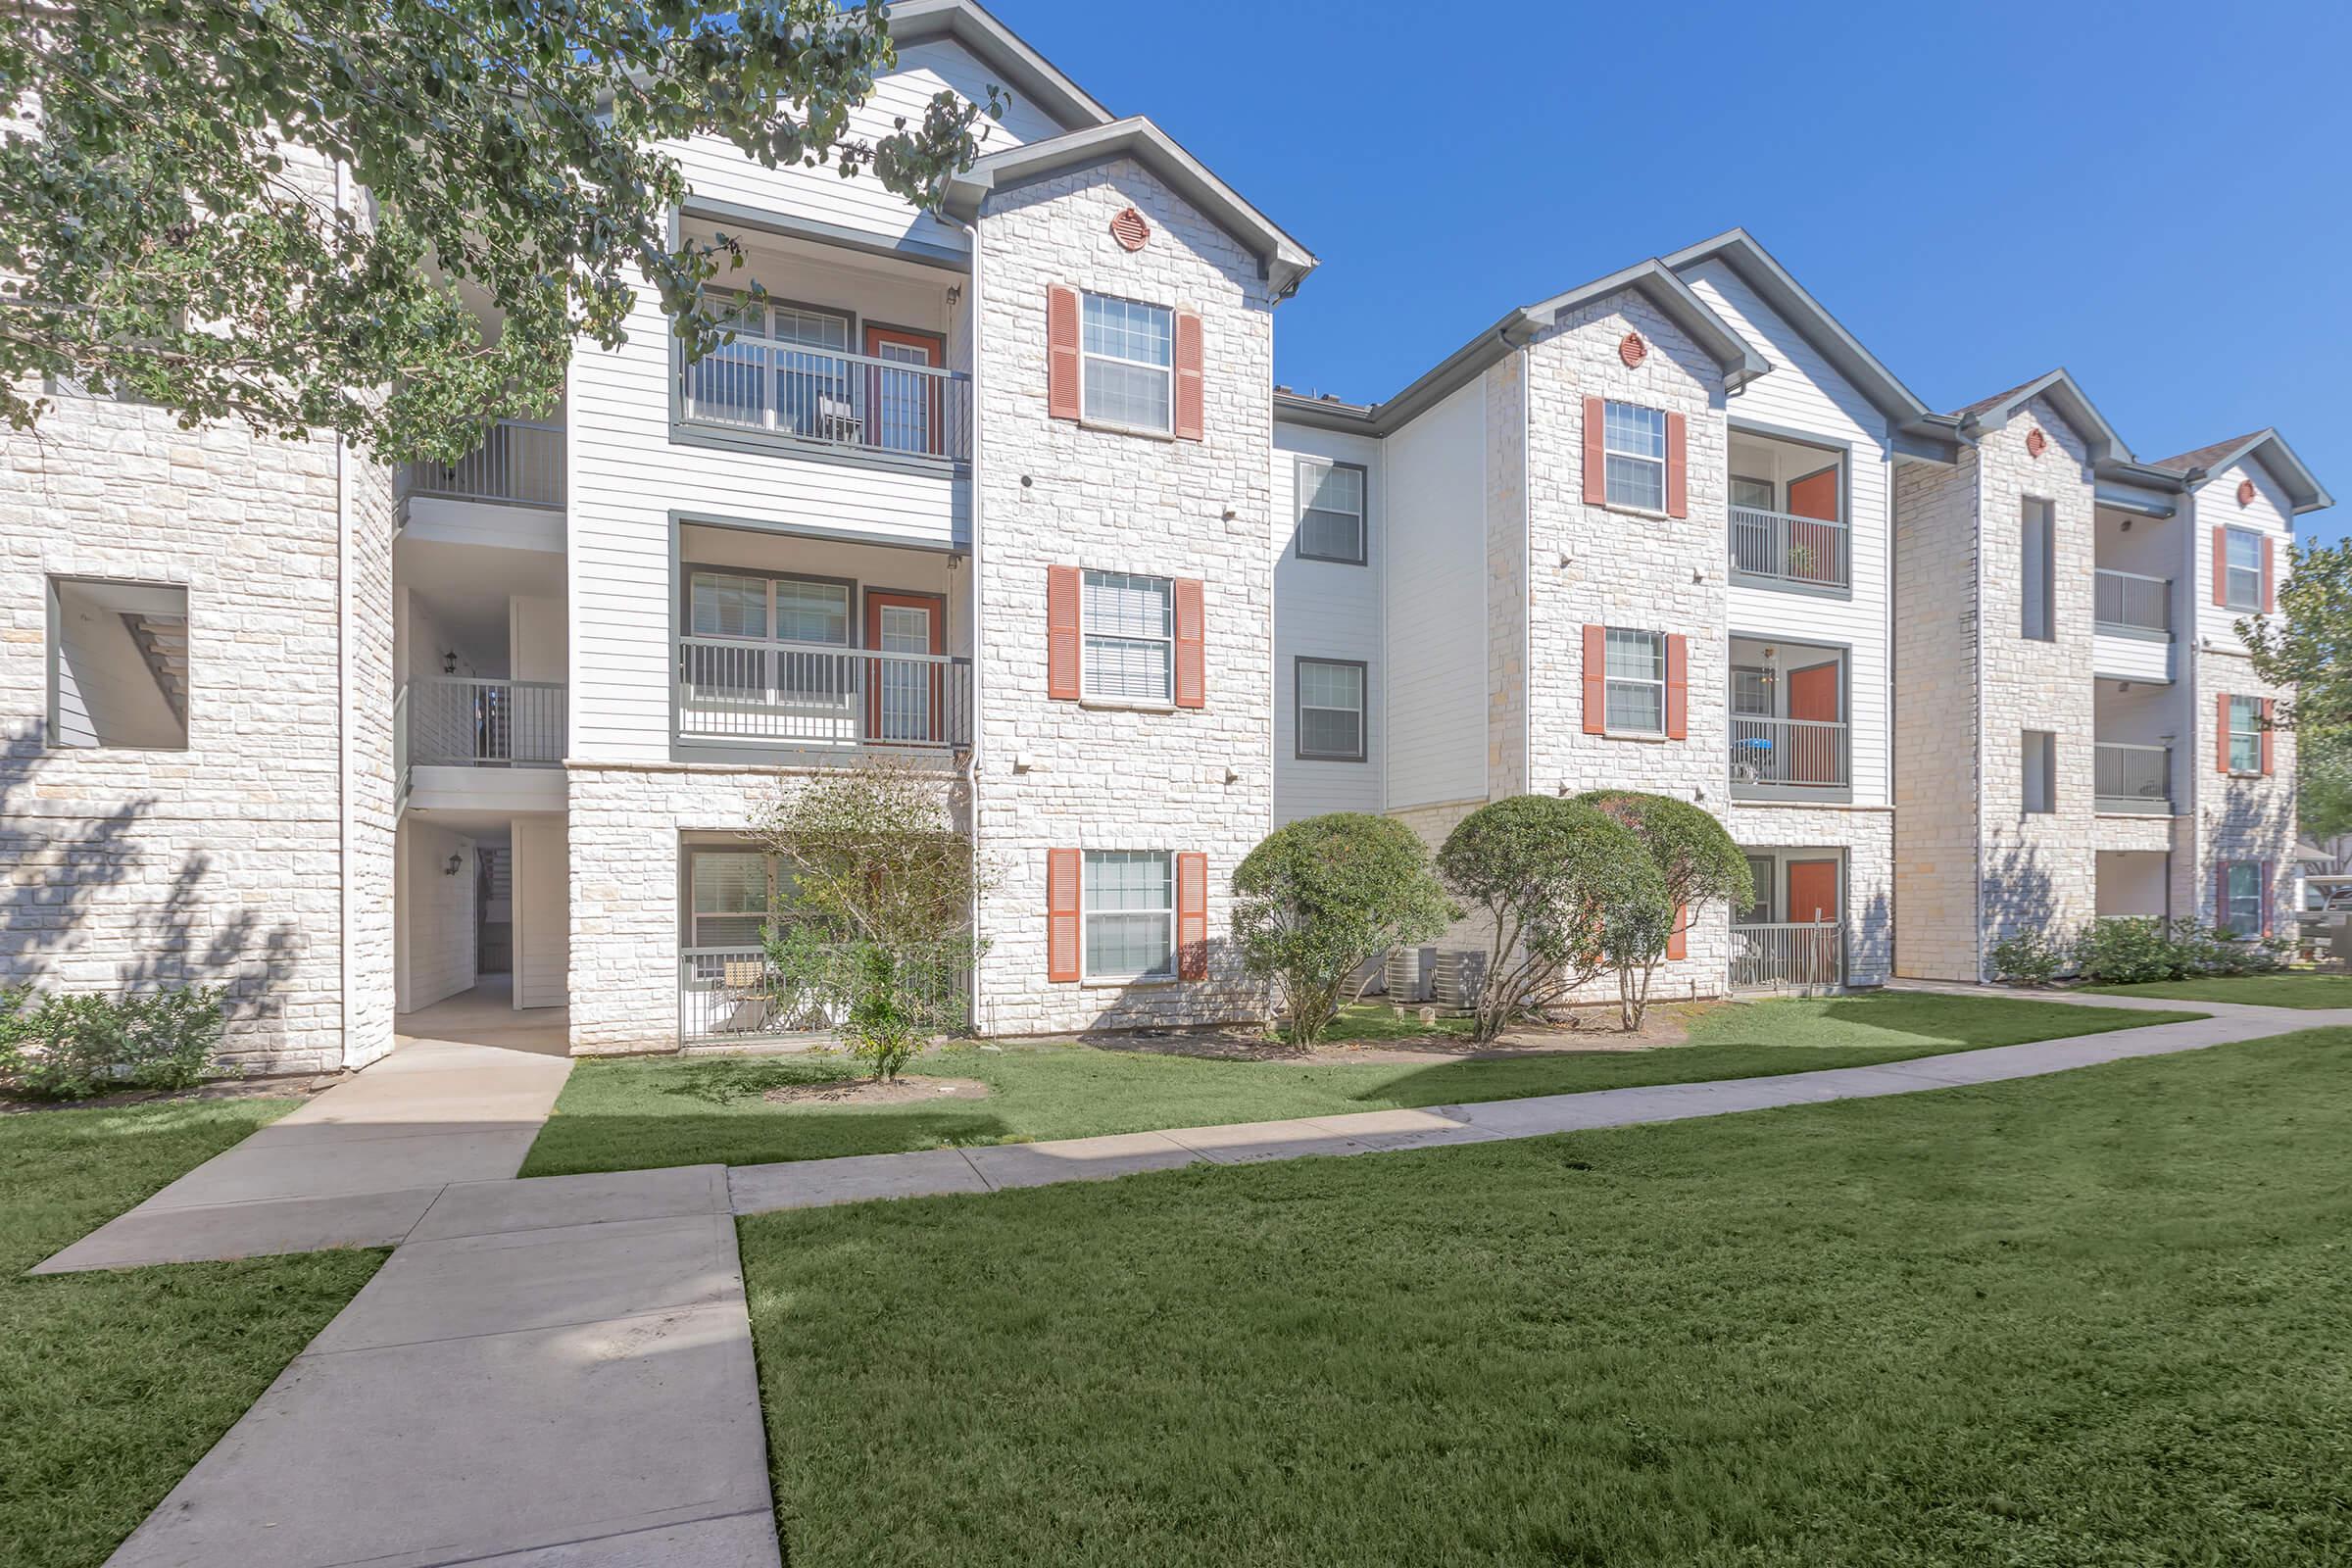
2078,730
1006,491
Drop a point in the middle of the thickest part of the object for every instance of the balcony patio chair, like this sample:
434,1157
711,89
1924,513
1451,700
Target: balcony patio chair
837,422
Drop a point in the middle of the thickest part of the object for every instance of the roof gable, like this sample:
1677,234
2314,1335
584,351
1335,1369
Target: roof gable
2269,448
1021,68
1282,260
2074,406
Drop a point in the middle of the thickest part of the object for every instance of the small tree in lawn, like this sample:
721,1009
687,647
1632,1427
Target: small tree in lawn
1321,897
1697,863
1559,882
876,928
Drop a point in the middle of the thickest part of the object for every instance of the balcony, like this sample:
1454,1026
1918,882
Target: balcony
821,700
1791,735
520,464
1774,549
2129,605
1775,754
2133,780
820,398
1802,957
464,744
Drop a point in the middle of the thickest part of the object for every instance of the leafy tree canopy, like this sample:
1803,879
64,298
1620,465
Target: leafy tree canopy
2309,645
171,226
1318,899
1699,863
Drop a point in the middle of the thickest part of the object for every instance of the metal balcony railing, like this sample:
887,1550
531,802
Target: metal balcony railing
819,697
733,996
1805,552
1770,754
459,721
1806,956
841,400
2129,605
2135,779
519,463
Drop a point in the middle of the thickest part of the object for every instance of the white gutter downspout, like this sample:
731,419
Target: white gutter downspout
983,1011
343,705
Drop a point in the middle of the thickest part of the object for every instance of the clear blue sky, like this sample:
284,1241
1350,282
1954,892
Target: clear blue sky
2158,197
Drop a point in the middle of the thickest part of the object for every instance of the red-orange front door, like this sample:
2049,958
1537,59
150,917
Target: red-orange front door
1815,693
1812,890
1814,553
903,407
903,695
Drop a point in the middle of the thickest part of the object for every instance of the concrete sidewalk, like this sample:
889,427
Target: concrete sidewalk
546,1372
357,1166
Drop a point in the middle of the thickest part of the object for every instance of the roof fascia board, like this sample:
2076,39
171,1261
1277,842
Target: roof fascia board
1757,266
1318,415
2138,506
1282,261
998,47
785,226
2304,491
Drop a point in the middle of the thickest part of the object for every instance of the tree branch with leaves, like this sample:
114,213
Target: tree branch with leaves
171,226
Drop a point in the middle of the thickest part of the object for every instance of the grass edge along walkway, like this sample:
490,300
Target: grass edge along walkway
113,1384
649,1112
2087,1319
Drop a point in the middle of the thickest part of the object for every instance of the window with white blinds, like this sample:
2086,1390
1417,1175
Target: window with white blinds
1330,709
1129,626
1129,912
1637,682
791,610
729,894
1331,511
1128,353
1633,447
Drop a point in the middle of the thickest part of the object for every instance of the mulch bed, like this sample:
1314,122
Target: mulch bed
1585,1029
905,1090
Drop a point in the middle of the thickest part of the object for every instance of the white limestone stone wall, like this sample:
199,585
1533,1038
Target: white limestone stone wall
246,859
1063,774
1935,721
2040,870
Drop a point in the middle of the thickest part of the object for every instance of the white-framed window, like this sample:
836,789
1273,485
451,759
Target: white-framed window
2038,763
119,664
1755,495
2242,562
786,610
1634,696
1633,450
2242,897
1129,626
731,893
1761,872
1331,511
2245,734
1128,911
1128,355
1330,709
784,371
1751,692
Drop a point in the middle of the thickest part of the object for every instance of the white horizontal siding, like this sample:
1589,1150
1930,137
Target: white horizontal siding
1324,610
1435,586
2214,505
717,170
1805,396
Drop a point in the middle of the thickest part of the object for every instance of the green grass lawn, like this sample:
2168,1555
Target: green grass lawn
621,1115
113,1384
2255,990
2098,1318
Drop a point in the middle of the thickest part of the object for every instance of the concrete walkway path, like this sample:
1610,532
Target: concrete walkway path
545,1372
356,1166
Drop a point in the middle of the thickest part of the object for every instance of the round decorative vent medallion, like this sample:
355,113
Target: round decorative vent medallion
2036,443
2245,492
1632,350
1130,230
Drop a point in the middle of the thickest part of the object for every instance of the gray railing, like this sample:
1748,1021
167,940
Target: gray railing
843,400
734,994
2136,780
1808,552
1769,753
1806,955
820,696
2130,605
519,463
459,721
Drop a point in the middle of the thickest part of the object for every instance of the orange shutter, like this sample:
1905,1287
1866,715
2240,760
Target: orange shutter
1678,944
2221,751
1596,473
1678,686
1597,708
1192,916
1191,674
2270,596
1061,353
1061,915
2267,736
1678,443
2220,565
1062,658
1189,415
